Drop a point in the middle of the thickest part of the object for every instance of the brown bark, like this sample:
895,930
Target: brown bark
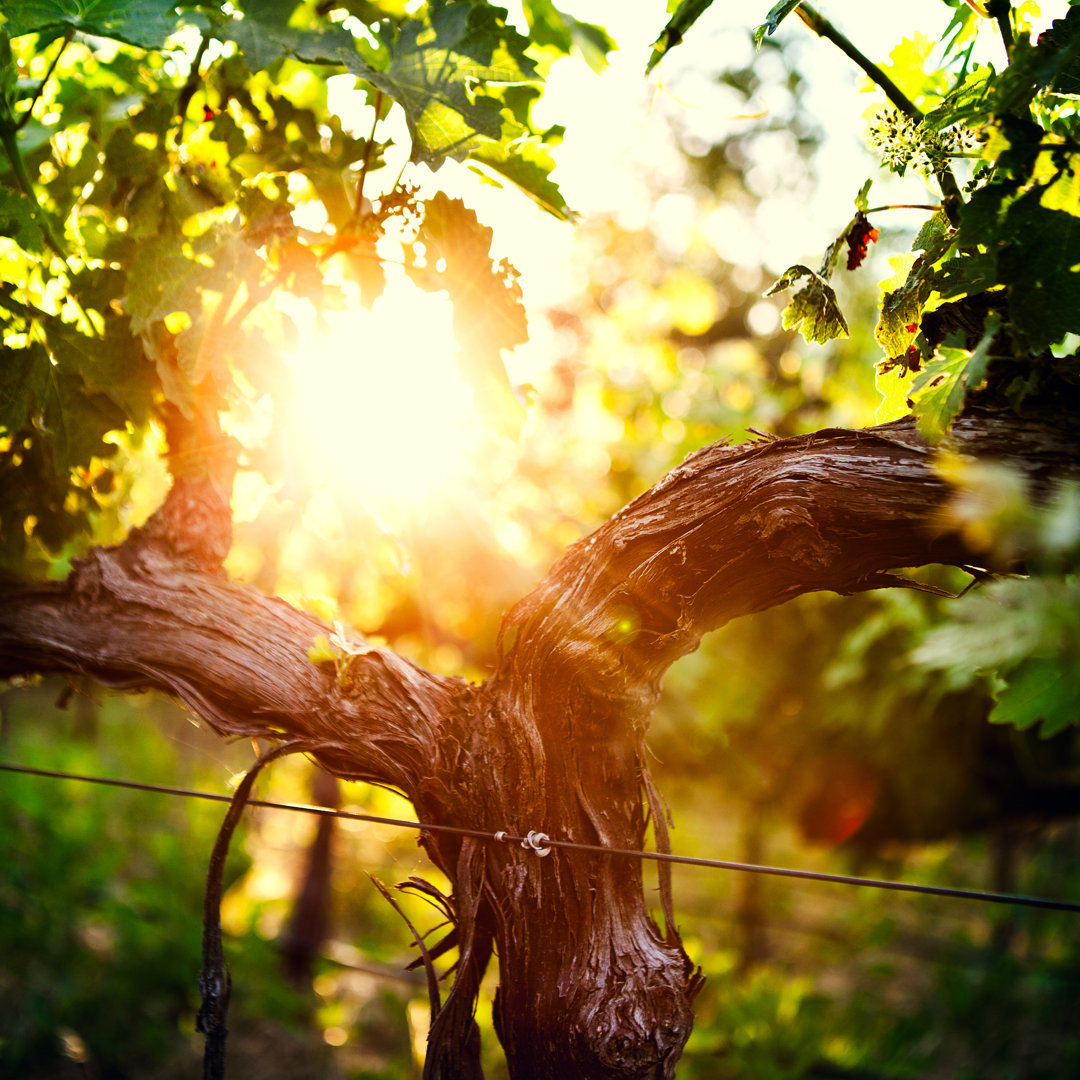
589,985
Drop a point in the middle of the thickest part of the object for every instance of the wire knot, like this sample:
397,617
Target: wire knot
538,842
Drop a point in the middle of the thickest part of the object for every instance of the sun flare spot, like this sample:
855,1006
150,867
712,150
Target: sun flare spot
381,411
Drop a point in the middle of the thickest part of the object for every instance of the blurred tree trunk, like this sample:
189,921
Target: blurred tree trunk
308,926
749,901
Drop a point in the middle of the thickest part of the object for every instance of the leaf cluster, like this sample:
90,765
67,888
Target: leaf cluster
1002,255
156,158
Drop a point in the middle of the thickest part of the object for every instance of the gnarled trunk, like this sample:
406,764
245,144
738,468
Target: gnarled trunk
589,985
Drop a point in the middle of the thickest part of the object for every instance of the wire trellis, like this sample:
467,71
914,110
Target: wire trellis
538,842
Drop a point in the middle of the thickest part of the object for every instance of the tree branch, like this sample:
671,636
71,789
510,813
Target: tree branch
28,112
147,614
737,529
825,29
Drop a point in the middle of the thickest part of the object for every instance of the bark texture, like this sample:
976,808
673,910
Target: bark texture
590,985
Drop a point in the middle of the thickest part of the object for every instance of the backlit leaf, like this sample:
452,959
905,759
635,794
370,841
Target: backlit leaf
438,69
488,312
24,375
1042,266
813,310
197,279
904,296
548,26
939,390
525,161
147,23
264,36
18,219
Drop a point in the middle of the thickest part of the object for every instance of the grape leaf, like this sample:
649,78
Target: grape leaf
199,279
548,26
9,78
902,302
488,312
24,375
145,23
264,36
813,310
939,390
434,68
114,365
777,14
1041,267
77,419
966,103
18,219
525,160
1039,689
967,275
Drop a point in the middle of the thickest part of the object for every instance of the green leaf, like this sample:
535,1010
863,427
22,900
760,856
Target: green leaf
1039,690
902,303
76,419
114,365
967,274
686,14
18,219
933,235
9,78
1064,36
967,103
145,23
813,310
550,27
24,376
194,284
526,162
488,312
939,390
901,308
777,14
264,36
438,70
1042,266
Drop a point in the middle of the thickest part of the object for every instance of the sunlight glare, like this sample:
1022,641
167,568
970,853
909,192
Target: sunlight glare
381,410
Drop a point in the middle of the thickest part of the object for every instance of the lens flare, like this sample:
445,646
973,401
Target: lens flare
380,411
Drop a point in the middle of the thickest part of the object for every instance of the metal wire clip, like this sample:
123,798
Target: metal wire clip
538,842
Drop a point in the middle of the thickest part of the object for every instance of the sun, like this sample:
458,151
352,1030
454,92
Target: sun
380,410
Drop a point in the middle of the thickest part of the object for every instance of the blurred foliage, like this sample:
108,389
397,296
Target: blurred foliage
101,908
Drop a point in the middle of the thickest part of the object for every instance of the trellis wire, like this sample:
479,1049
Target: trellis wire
569,845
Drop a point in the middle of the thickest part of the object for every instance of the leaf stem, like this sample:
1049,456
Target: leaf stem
903,206
358,208
825,29
24,119
999,11
187,92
